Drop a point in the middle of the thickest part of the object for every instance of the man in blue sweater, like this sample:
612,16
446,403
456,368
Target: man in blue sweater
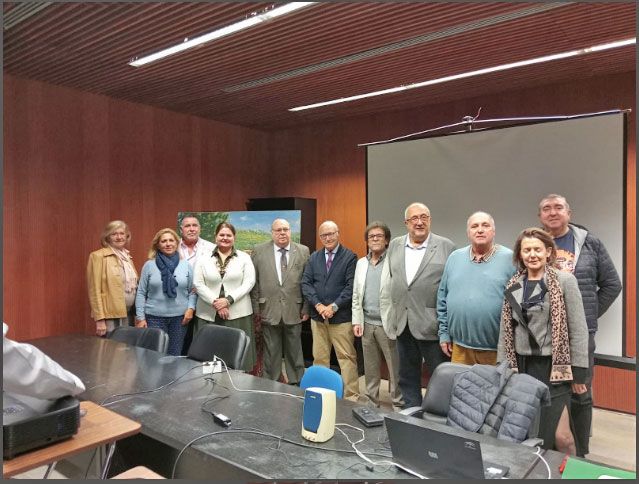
471,294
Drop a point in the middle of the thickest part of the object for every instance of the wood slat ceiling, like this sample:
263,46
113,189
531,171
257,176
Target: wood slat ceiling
323,52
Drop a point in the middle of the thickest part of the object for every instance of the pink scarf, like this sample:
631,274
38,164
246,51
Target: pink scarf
130,276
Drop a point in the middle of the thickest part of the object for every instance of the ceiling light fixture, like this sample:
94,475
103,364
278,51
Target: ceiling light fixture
250,21
503,67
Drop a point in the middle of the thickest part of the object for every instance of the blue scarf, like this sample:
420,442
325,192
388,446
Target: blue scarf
167,265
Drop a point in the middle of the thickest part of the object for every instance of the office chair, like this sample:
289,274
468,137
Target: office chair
437,400
229,344
320,376
150,338
436,403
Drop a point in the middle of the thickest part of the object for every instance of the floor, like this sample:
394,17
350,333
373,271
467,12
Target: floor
613,442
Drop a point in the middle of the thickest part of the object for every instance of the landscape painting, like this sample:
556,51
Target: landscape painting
253,227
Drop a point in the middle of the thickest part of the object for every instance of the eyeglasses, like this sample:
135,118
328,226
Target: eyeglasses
328,235
375,236
282,229
415,218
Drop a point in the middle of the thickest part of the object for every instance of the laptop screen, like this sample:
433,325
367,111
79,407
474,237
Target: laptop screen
437,454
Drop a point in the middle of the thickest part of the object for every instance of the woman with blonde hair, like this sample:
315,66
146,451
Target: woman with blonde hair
112,279
165,298
544,334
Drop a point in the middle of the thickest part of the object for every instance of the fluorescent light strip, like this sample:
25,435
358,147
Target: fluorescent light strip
503,67
223,32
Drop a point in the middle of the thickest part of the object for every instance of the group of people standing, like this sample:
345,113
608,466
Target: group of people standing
414,299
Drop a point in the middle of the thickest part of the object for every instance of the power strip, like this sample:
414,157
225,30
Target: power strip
212,367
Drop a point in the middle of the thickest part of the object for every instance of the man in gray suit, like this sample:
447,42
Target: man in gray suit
278,303
414,266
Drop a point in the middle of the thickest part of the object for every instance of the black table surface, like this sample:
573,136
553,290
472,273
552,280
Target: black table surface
174,415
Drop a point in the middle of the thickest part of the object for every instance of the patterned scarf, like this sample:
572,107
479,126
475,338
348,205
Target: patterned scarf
221,266
561,368
167,264
130,276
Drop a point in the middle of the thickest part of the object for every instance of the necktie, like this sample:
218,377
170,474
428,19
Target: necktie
283,263
329,261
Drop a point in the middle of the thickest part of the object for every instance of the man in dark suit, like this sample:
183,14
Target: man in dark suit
278,303
327,285
414,267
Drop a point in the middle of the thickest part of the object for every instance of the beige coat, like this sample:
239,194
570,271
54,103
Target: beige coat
106,290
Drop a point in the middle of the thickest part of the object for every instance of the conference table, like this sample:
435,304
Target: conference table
179,437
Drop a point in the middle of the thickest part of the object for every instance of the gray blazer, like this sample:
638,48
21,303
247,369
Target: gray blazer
275,302
539,323
414,304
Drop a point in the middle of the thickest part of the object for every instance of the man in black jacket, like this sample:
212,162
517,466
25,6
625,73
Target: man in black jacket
584,255
327,285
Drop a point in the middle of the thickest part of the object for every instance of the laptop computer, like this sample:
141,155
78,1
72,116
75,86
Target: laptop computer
436,454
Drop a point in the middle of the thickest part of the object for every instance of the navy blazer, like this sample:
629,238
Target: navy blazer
336,286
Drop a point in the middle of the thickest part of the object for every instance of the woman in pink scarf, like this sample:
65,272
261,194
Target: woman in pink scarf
112,280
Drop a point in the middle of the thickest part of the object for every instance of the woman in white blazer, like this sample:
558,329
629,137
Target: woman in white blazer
223,282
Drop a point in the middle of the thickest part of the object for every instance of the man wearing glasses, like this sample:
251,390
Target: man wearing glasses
369,322
327,285
414,266
277,301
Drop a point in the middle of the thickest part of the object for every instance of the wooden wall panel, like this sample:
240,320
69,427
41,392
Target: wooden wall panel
73,161
615,389
324,162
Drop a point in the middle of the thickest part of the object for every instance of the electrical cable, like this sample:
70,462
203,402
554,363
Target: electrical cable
103,404
538,454
90,462
298,397
374,463
216,397
349,467
267,434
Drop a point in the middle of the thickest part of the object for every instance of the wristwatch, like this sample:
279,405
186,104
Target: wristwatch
230,299
334,307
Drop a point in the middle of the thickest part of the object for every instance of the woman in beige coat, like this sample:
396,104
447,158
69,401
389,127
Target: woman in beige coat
112,280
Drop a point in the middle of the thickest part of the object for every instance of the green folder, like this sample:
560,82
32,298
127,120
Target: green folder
581,469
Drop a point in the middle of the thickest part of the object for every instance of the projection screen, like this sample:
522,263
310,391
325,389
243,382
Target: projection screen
506,172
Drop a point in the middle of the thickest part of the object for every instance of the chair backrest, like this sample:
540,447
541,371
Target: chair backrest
320,376
154,339
150,338
440,387
229,344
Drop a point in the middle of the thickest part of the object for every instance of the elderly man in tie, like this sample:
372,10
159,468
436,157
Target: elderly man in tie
327,285
277,301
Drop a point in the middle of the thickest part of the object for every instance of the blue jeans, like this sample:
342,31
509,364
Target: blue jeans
411,353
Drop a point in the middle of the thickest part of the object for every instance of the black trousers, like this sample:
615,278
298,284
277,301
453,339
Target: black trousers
581,405
412,352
